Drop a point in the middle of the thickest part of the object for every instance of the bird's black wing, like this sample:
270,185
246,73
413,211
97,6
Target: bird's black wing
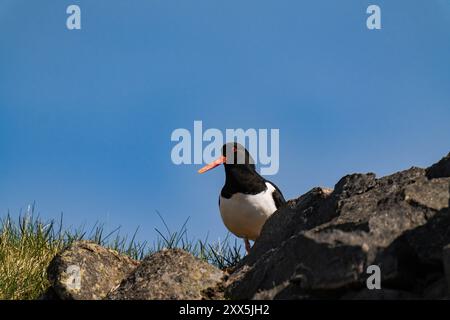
278,197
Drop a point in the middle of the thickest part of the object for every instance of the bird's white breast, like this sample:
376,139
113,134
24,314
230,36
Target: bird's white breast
245,214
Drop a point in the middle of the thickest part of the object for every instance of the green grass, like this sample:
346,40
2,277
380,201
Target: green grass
28,244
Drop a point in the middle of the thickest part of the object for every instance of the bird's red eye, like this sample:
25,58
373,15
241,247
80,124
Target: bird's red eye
234,149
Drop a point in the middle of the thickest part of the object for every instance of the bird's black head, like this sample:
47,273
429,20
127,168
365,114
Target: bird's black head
234,156
240,171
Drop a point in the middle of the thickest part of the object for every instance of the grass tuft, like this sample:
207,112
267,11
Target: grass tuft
222,254
28,244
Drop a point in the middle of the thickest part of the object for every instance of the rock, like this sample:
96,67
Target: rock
382,294
49,294
436,290
287,222
446,258
432,194
87,271
169,274
320,245
440,169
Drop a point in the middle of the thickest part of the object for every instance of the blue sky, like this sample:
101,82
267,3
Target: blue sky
86,116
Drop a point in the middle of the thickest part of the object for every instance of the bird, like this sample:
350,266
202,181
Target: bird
246,200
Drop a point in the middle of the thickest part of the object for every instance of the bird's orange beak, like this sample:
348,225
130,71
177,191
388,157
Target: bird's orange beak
213,164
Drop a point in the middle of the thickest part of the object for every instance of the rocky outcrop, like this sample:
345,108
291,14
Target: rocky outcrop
322,243
327,244
169,274
87,271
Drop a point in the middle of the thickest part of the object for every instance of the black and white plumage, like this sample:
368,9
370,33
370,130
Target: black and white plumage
247,200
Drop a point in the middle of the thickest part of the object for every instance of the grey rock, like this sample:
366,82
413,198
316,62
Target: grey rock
440,169
436,290
382,294
320,245
170,274
98,270
446,259
49,294
433,194
316,247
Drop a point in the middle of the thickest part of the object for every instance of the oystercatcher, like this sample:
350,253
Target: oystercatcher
247,200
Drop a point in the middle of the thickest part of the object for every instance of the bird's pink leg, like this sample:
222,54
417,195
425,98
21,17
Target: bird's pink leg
247,245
